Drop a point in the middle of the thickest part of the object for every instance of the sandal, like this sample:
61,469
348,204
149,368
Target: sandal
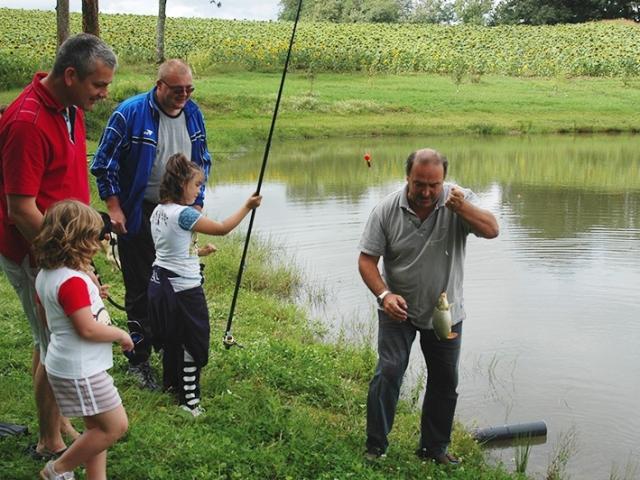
45,454
48,473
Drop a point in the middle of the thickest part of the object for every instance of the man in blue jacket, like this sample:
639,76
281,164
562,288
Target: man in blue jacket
142,133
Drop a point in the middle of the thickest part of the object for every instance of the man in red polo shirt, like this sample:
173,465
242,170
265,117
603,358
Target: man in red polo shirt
43,160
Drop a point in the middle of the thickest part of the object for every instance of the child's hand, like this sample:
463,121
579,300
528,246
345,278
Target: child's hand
125,341
254,201
104,291
208,249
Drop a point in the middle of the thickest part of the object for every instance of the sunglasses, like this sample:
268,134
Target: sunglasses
178,89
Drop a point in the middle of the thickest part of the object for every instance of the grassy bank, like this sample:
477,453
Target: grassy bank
238,105
284,407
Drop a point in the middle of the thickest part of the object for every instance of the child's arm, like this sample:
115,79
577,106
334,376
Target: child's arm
211,227
73,297
86,326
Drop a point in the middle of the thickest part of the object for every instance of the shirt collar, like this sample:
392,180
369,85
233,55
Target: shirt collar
45,95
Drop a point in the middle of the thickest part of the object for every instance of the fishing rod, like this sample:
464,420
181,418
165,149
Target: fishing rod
105,233
228,339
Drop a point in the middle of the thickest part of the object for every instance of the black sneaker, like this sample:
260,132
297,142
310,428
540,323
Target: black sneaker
144,376
373,453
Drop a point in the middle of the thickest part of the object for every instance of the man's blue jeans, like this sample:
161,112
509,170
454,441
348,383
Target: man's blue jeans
394,346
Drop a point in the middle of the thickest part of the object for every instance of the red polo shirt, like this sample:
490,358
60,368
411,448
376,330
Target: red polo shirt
38,158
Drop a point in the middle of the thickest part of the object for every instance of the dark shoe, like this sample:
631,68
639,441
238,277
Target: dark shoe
372,454
144,376
444,458
45,454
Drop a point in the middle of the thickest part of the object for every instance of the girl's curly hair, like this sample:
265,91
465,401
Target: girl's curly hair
69,236
178,172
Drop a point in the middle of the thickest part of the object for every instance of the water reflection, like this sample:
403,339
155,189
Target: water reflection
553,303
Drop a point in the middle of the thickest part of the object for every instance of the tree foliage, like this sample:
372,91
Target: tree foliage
348,11
541,12
474,12
432,11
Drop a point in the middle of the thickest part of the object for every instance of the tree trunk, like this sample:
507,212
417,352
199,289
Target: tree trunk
62,20
162,16
90,22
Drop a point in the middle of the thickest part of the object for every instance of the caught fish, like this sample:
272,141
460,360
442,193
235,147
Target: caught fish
442,319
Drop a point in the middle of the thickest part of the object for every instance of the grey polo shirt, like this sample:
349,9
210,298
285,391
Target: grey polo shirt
420,259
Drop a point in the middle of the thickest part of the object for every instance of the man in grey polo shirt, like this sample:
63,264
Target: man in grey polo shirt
420,232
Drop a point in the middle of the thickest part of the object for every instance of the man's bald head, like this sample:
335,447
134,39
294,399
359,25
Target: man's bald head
426,156
174,66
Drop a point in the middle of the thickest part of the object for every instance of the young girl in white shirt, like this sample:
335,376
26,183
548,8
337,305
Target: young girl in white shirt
178,313
80,349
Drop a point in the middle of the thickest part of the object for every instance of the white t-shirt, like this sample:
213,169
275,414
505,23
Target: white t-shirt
173,137
176,243
61,292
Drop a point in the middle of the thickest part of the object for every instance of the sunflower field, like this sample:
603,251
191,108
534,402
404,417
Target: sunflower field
27,38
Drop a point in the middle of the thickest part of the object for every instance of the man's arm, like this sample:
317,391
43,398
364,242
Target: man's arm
203,160
394,305
106,161
105,167
23,212
482,222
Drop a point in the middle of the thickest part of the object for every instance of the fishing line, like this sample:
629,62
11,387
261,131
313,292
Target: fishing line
228,339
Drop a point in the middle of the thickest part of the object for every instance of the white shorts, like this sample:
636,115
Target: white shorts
85,397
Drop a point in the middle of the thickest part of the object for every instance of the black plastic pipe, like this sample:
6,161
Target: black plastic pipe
509,432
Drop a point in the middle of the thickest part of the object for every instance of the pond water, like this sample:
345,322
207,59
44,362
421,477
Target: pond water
553,304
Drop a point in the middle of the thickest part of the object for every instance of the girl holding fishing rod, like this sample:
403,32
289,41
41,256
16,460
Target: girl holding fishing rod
178,313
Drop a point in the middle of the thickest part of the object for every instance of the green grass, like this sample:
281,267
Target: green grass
238,106
285,407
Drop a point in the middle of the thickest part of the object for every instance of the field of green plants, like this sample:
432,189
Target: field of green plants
594,49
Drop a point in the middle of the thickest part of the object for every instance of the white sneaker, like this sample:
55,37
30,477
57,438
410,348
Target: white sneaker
195,411
48,473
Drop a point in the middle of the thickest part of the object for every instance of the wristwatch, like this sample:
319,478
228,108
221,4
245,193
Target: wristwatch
380,298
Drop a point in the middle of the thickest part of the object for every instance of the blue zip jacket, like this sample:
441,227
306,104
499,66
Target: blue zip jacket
127,150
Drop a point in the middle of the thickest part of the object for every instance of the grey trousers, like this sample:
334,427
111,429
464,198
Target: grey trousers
441,357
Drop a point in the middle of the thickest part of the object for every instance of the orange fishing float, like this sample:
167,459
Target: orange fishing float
367,158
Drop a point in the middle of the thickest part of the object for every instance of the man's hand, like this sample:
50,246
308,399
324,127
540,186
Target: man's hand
395,306
118,220
455,199
482,221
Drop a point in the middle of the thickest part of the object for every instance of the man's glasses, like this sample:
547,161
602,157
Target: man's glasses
178,89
